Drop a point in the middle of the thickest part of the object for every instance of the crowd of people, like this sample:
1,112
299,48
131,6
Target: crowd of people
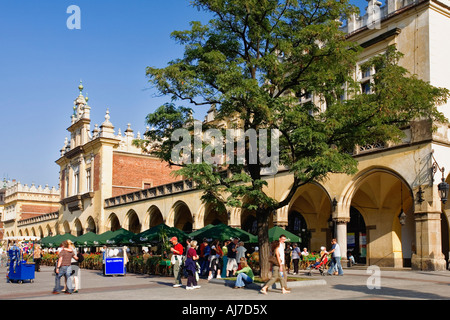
205,260
208,260
211,260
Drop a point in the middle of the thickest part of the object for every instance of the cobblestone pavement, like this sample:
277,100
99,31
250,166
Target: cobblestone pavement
356,284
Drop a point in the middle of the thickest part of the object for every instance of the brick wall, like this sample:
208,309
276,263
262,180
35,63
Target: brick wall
29,211
131,173
96,172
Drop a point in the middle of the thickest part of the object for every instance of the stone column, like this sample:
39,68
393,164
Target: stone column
341,237
281,217
428,255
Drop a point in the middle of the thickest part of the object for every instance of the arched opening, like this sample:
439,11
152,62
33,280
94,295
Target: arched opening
379,197
250,224
41,232
297,225
357,237
134,224
156,217
114,222
214,216
308,216
183,217
66,227
248,221
91,227
78,228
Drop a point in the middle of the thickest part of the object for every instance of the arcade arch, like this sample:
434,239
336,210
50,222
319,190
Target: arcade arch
212,215
113,222
132,222
155,216
377,199
182,217
91,225
308,215
78,228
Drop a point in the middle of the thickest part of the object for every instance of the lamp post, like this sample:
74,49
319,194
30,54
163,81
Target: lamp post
402,215
443,187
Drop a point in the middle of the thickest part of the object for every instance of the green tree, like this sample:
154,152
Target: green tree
256,59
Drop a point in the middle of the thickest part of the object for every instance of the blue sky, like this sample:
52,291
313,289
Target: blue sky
42,62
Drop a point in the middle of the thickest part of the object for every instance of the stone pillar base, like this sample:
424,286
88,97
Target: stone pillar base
428,263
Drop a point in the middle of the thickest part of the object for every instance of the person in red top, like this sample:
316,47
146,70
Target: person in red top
177,258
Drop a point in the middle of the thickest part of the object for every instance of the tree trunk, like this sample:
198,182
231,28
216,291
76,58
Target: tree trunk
262,217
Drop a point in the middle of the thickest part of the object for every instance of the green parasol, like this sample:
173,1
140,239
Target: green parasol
89,239
153,234
223,232
193,234
121,237
276,232
105,236
55,241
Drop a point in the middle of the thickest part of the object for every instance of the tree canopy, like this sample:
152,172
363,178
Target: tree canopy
259,62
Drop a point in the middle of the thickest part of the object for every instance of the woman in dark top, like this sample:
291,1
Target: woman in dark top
190,266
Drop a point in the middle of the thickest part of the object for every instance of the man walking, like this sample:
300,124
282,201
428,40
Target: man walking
335,258
231,256
177,258
64,268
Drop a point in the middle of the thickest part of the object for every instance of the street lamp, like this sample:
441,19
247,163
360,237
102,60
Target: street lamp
443,190
443,187
402,215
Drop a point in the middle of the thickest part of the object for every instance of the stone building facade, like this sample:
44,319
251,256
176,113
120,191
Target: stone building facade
29,206
101,189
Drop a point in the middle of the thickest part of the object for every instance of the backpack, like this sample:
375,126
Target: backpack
80,257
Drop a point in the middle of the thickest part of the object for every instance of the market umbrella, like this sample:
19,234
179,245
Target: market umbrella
153,234
223,232
120,237
89,239
56,241
193,234
276,232
104,237
45,242
254,238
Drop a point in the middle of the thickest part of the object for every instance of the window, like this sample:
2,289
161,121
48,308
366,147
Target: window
365,87
147,185
366,78
88,180
66,186
76,180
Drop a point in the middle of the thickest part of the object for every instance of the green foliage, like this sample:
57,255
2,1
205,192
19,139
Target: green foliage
254,60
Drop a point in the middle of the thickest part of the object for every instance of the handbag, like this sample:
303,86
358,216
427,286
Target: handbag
273,260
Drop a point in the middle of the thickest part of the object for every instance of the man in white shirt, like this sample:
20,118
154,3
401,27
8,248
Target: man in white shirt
335,258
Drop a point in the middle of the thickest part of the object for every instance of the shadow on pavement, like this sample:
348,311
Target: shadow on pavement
392,292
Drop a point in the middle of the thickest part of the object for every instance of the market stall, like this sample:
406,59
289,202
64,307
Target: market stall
19,269
115,261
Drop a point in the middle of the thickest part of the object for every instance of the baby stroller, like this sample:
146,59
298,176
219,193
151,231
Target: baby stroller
319,265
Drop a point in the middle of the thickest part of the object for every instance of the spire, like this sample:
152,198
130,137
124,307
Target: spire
107,128
80,87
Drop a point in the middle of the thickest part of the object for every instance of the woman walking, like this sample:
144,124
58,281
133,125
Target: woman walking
75,263
191,267
277,268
